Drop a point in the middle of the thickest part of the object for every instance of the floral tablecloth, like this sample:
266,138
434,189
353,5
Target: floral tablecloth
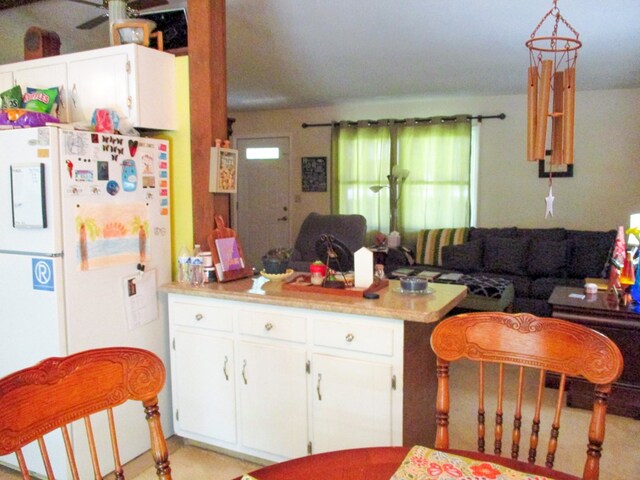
422,463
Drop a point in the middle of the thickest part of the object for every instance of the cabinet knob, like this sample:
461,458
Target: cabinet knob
199,316
349,338
268,326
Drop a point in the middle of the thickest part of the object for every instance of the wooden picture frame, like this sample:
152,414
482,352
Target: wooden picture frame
547,169
223,170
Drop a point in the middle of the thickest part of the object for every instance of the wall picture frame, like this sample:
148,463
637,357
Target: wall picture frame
547,169
314,174
223,170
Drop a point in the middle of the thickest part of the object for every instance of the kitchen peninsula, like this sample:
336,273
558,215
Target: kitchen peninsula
281,373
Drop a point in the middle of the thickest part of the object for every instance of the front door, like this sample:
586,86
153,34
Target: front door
263,196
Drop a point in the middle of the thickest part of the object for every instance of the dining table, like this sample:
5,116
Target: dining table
403,463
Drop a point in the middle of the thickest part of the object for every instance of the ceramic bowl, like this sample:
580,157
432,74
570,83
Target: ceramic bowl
277,277
413,284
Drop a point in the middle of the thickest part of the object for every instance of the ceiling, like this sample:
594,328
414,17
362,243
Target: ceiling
301,53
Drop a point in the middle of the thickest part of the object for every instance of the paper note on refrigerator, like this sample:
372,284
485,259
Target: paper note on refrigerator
28,196
140,299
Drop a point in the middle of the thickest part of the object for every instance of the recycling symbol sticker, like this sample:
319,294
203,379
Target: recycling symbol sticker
42,274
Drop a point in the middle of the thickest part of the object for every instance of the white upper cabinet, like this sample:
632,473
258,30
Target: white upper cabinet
30,74
6,80
137,82
99,82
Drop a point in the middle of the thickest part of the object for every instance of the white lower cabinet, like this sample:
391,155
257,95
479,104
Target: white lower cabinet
273,404
204,385
352,403
277,382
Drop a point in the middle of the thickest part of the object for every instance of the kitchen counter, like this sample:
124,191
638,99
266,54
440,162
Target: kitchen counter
389,337
391,304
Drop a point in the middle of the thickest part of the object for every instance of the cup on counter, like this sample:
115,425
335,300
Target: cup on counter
318,271
590,288
207,260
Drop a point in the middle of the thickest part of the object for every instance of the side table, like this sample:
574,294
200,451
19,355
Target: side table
620,324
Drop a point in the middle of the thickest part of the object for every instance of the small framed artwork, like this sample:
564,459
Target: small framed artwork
314,174
546,168
223,170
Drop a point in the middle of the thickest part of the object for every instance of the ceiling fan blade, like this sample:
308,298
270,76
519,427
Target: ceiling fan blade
94,22
84,2
6,4
144,4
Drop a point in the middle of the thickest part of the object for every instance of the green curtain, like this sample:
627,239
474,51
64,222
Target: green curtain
361,160
437,192
437,154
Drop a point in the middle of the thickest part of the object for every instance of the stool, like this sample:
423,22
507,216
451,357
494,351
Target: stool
486,293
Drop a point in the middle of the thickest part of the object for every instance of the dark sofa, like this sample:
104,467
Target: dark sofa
534,259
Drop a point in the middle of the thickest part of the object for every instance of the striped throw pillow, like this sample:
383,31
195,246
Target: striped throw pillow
430,243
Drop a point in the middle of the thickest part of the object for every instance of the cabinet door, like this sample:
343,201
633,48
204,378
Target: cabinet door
202,376
273,398
46,76
100,82
6,81
351,403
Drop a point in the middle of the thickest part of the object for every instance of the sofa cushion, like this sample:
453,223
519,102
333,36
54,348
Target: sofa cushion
547,258
521,283
466,257
481,233
430,243
550,234
542,287
505,255
589,253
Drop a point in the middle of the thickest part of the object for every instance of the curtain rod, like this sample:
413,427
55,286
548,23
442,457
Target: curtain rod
501,116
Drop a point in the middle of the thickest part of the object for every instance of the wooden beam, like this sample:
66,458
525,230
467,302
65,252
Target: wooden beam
208,104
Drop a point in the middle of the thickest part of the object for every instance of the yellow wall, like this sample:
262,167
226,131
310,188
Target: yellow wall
180,167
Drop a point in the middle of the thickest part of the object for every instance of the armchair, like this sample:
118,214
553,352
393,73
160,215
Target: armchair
348,229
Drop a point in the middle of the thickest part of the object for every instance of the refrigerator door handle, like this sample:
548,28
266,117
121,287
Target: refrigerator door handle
32,254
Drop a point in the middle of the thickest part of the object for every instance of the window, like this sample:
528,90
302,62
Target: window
262,153
440,156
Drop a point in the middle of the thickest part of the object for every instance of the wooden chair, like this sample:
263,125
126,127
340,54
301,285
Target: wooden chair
527,341
58,391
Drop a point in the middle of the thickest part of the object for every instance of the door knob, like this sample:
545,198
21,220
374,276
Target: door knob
282,219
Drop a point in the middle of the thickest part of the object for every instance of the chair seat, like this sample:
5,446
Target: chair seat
514,464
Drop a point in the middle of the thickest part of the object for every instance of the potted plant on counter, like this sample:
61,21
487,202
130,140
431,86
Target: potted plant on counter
276,260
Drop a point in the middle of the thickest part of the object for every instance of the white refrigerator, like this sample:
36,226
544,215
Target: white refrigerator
84,243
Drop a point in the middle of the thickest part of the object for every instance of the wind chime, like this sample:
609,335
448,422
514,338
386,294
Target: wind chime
552,69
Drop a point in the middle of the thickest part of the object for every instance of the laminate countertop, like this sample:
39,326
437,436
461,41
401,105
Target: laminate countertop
391,304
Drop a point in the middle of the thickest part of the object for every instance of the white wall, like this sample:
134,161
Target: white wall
603,192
